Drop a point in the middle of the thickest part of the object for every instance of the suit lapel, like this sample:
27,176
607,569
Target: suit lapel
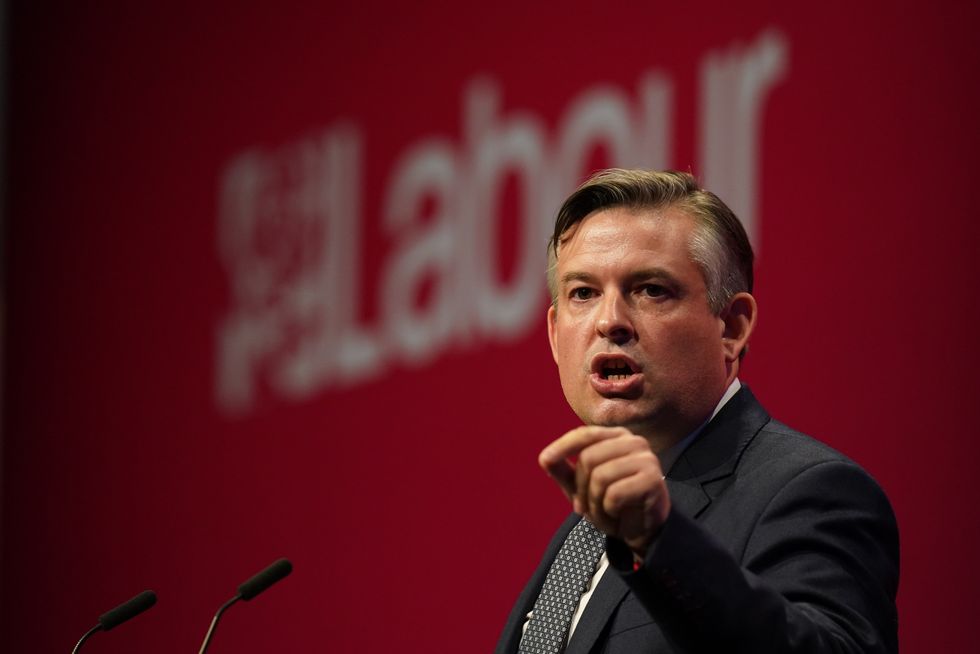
686,493
603,603
715,453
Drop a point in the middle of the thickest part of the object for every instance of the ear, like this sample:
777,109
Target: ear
739,318
553,331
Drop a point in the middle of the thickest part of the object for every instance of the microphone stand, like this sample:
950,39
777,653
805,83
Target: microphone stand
249,590
214,622
85,637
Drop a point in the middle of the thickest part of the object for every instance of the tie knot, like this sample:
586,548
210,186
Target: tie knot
591,541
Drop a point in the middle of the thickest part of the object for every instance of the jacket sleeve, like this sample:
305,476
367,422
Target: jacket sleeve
818,573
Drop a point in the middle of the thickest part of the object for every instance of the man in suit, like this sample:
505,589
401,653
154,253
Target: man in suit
700,524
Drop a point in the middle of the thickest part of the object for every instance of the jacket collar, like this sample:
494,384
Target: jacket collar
716,452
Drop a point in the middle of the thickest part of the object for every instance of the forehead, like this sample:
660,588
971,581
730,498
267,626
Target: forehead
625,235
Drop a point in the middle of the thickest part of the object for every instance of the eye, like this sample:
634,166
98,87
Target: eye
581,293
654,290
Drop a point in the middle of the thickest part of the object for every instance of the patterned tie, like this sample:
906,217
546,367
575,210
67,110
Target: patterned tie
567,579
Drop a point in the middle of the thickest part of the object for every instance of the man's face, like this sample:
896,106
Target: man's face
634,339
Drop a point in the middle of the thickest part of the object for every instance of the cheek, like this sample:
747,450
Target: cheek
569,366
572,369
706,350
686,346
569,340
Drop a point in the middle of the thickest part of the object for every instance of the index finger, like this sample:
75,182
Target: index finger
554,458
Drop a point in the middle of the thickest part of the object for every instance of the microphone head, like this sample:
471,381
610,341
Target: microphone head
127,610
264,579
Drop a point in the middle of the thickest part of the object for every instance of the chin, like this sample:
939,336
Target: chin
616,413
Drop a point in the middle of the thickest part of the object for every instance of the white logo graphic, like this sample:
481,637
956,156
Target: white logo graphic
290,225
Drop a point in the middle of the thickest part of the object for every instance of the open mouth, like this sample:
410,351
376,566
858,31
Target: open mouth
614,367
616,370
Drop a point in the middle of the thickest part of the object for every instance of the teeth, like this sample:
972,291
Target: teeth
616,370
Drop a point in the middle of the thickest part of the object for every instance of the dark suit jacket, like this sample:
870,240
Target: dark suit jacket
774,543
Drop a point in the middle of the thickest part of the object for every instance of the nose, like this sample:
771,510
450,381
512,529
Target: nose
613,321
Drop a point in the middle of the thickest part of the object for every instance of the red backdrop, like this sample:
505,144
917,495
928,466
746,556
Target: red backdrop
272,290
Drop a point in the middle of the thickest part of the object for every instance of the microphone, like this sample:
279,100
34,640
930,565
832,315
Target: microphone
264,579
120,614
247,591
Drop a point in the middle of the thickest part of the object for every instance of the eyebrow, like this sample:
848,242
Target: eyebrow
633,277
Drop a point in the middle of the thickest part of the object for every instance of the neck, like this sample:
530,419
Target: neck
673,429
662,437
